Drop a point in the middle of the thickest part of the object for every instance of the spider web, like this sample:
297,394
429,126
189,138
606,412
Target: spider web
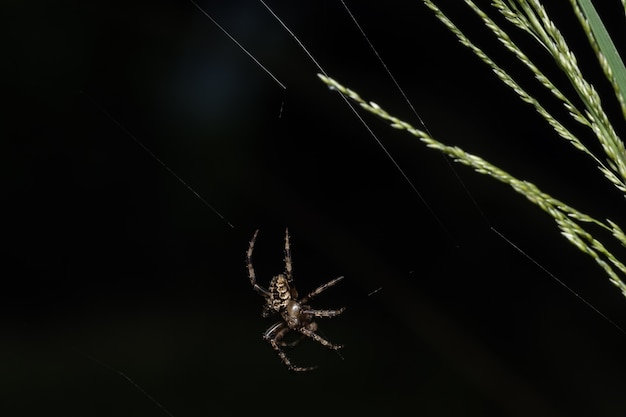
132,269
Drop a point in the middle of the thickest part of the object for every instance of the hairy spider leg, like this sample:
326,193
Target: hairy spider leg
279,337
264,292
288,267
320,289
291,344
324,313
274,336
318,338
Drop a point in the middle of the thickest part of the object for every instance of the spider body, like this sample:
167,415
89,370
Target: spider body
281,299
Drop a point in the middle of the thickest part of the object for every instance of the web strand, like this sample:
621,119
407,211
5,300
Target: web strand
159,161
554,277
232,38
128,379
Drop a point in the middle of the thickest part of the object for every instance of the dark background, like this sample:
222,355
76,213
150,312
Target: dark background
114,269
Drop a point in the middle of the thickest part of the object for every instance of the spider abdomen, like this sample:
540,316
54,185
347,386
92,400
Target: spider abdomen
280,292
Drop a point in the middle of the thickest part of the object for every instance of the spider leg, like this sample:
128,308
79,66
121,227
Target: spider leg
251,273
274,336
324,313
318,338
282,343
279,334
292,344
320,289
288,266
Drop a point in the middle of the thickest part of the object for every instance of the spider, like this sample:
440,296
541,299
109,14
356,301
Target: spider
281,298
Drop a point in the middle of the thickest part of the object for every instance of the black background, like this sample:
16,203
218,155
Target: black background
114,268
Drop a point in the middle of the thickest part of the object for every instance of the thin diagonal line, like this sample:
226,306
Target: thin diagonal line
127,378
238,44
554,277
156,158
